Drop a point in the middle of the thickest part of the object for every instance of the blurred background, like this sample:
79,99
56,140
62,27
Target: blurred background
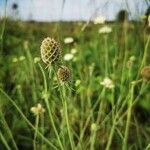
70,10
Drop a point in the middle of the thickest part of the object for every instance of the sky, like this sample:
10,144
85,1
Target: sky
54,10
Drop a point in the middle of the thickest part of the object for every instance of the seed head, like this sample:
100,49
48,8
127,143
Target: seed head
63,74
50,51
145,72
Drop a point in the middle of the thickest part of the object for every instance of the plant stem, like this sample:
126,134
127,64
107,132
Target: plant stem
48,107
124,146
35,134
27,121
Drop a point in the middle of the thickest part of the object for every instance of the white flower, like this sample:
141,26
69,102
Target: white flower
38,109
107,83
93,127
36,59
149,20
68,57
73,51
77,83
99,20
68,40
15,59
105,29
21,58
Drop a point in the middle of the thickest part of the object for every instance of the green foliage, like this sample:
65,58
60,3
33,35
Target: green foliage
115,107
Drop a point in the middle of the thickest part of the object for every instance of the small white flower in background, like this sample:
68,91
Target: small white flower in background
15,59
107,83
131,61
21,58
105,29
73,51
68,40
93,127
36,59
149,20
77,83
36,110
132,58
99,20
68,57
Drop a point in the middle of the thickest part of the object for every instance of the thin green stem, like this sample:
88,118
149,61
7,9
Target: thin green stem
4,141
35,134
64,101
27,121
46,96
124,146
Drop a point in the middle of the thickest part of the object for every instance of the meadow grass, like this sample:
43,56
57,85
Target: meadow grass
104,106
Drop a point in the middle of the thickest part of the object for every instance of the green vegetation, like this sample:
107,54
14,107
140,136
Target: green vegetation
106,105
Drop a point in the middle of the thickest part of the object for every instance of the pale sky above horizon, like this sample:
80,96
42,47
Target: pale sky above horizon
51,10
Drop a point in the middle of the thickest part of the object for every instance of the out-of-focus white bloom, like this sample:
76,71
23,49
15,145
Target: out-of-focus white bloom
68,40
107,83
105,29
73,51
93,127
36,59
149,20
99,20
132,58
37,109
131,61
77,83
68,57
15,59
21,58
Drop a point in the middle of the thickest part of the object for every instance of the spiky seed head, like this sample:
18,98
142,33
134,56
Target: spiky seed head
50,51
145,72
64,74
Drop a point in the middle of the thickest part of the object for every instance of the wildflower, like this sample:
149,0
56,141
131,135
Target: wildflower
145,72
93,127
131,61
105,29
21,58
15,59
26,44
107,83
99,20
50,51
77,83
36,59
36,110
68,40
63,74
73,51
148,20
68,57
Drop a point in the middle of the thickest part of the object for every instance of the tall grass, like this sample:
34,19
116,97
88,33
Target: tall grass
85,116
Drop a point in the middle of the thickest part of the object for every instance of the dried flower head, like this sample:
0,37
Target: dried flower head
145,72
50,51
38,109
63,74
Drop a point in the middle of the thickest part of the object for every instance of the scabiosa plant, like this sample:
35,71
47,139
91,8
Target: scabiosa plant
64,74
50,51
